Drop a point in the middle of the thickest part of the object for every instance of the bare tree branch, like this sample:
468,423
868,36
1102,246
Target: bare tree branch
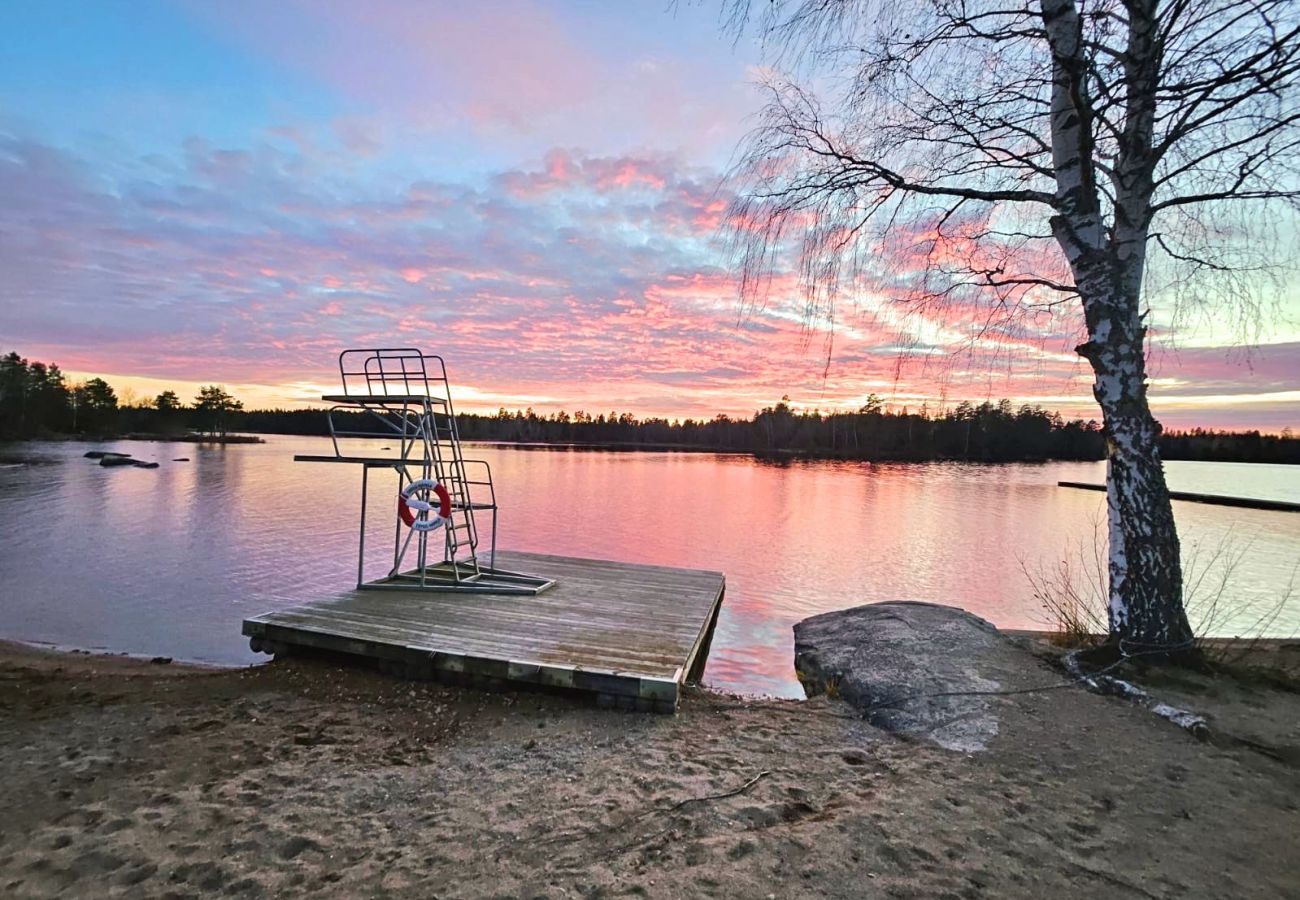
982,162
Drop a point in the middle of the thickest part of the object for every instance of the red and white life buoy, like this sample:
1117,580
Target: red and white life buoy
408,505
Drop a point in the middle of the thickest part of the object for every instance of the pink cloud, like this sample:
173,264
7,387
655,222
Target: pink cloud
358,137
617,303
565,170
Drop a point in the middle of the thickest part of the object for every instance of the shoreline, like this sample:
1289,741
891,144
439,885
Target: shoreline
146,437
299,777
775,455
1279,652
12,648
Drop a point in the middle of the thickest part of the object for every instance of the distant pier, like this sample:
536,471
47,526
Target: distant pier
1215,499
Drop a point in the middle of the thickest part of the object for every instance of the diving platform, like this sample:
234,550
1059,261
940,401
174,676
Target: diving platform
448,605
627,634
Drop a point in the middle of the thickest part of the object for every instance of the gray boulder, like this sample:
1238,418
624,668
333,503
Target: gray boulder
918,669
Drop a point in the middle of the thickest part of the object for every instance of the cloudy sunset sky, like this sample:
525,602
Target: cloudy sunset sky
232,192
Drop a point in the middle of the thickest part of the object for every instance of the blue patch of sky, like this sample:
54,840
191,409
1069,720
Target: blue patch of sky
137,79
125,84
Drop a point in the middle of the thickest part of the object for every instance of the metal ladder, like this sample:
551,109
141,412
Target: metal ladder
447,466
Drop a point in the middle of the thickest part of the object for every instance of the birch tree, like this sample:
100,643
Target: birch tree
1029,159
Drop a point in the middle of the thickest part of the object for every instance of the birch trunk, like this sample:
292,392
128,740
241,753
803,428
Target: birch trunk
1146,612
1146,584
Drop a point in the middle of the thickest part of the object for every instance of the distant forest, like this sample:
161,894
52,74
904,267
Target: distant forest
36,401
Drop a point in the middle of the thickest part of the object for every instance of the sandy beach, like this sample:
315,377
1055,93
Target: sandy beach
136,779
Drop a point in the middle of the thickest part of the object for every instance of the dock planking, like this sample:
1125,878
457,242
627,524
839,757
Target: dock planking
629,633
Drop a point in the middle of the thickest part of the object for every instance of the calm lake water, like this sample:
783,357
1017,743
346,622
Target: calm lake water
168,561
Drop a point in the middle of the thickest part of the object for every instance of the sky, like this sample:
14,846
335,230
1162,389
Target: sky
232,192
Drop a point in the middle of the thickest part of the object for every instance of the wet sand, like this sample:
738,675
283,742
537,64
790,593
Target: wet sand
126,778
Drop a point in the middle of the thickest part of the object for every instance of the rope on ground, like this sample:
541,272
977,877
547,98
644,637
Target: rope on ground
1112,879
740,790
653,810
1099,682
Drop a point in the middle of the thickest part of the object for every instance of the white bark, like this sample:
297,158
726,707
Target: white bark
1077,226
1145,595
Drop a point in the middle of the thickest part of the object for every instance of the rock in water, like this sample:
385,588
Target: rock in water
911,668
117,459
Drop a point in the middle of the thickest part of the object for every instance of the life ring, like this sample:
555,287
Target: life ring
408,506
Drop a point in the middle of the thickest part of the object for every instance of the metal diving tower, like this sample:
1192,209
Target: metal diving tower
403,395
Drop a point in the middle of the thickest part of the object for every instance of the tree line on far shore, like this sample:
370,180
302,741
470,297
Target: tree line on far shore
37,401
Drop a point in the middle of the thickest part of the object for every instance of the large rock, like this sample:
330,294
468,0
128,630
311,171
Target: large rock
915,668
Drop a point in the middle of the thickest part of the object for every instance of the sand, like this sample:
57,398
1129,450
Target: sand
131,779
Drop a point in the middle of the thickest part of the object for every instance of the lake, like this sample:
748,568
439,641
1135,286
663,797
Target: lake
168,561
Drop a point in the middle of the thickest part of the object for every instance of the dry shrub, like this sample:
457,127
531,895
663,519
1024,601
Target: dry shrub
1073,592
1073,595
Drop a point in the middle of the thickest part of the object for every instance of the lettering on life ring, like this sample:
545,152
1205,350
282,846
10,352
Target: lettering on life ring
408,505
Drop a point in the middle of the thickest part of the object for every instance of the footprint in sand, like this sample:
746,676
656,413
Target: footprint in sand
139,872
114,825
95,862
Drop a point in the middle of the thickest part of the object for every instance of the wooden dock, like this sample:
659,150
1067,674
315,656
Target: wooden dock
629,634
1215,499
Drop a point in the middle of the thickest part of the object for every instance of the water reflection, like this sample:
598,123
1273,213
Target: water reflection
168,561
